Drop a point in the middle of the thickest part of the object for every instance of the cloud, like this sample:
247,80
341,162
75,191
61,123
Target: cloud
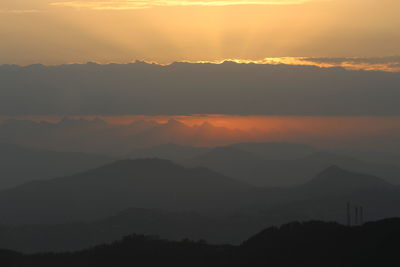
390,64
184,88
387,64
20,11
130,4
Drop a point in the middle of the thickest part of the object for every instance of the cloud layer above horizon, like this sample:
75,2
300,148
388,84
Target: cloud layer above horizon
187,88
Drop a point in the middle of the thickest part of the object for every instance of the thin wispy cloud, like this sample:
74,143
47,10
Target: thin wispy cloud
129,4
390,64
20,11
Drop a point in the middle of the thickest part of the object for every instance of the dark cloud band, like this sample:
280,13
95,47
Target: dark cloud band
184,88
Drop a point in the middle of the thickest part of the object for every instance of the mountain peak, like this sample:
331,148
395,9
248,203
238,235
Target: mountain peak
174,122
333,169
334,178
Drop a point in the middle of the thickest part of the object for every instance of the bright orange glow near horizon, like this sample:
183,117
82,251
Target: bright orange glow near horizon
327,125
216,129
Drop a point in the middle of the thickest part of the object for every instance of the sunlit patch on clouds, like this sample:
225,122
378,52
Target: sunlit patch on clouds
133,4
388,64
391,64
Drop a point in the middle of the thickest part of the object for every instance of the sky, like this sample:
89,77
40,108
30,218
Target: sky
346,55
56,32
119,134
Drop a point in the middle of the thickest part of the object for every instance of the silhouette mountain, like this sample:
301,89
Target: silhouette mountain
101,192
312,243
20,164
317,243
335,179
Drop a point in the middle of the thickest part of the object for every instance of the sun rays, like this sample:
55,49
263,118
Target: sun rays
131,5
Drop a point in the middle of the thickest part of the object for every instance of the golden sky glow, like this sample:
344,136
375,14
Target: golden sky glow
132,4
59,32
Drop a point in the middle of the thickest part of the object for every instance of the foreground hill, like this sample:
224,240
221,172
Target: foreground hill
102,192
20,164
318,243
296,244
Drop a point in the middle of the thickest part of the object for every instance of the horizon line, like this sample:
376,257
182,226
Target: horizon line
383,64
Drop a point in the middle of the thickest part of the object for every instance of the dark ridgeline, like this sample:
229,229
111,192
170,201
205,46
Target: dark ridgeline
296,244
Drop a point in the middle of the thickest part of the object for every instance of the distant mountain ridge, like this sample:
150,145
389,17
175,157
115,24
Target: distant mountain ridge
146,183
20,164
161,184
255,164
336,179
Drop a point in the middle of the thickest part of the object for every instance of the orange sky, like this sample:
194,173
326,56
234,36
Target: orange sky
332,132
327,125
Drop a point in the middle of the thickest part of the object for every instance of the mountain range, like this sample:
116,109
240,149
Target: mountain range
147,183
259,164
254,165
174,201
